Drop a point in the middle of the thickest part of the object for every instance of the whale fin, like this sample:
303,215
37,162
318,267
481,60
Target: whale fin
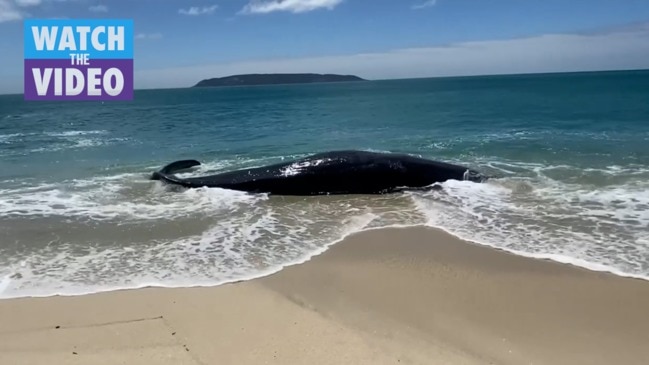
169,169
179,165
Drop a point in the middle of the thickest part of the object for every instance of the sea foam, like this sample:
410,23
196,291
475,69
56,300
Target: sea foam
126,231
600,228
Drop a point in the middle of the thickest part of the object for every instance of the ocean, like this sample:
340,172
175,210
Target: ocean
78,213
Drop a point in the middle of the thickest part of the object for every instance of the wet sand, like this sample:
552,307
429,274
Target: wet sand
390,296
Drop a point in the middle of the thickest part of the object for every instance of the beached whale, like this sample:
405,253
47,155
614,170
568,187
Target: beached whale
338,172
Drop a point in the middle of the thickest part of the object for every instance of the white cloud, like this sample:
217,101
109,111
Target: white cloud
98,8
8,12
195,10
425,4
148,36
28,2
628,49
293,6
10,9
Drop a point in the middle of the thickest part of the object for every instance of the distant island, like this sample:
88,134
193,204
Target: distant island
275,79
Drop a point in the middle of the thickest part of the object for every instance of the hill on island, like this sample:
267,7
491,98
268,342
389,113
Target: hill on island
275,79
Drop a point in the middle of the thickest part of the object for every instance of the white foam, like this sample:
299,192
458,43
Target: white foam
227,252
79,143
250,235
598,227
74,133
112,197
61,140
604,229
4,284
6,138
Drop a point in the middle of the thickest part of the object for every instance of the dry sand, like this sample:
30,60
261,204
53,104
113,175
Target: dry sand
392,296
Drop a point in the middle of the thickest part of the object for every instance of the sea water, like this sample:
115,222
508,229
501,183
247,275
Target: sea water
78,213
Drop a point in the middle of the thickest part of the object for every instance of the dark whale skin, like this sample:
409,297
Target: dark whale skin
328,173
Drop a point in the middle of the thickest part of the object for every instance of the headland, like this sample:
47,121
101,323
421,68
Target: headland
275,79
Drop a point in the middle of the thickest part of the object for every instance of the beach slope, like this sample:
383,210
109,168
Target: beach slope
390,296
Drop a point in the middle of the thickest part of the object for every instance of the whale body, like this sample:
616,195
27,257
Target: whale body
328,173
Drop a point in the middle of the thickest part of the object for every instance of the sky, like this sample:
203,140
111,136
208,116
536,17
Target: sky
180,42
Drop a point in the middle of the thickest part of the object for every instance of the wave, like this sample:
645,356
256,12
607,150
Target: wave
53,141
226,252
74,133
603,228
119,197
80,143
154,236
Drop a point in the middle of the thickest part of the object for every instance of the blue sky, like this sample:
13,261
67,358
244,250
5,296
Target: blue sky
179,42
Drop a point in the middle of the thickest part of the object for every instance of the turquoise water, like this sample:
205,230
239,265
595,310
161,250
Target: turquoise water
78,214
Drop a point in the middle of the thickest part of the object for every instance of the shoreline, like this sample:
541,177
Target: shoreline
387,295
554,259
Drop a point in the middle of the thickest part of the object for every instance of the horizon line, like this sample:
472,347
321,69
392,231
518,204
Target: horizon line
387,79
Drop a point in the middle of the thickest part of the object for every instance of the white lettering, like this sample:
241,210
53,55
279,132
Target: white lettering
83,37
79,58
67,41
94,81
58,84
95,38
42,35
42,83
74,82
116,38
119,81
102,38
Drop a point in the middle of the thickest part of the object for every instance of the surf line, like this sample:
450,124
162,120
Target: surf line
78,59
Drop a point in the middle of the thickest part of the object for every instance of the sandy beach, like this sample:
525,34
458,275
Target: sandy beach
390,296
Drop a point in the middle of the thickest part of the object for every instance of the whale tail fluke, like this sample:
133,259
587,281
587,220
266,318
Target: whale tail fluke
163,173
